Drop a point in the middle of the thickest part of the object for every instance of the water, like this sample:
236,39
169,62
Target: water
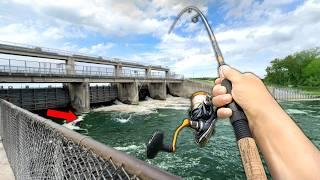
128,128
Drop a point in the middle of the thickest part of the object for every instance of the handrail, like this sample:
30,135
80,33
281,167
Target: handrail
43,68
72,53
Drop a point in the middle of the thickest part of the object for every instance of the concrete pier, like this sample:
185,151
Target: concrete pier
79,96
70,66
5,168
128,92
158,90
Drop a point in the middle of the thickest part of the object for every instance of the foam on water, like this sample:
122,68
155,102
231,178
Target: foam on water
126,148
132,148
295,111
74,124
122,119
148,106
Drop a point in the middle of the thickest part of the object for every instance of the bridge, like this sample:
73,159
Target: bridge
38,148
128,77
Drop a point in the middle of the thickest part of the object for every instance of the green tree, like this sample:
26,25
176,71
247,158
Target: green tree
311,73
301,68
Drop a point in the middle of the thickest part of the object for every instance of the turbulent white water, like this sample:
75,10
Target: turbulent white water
148,106
296,111
128,127
74,124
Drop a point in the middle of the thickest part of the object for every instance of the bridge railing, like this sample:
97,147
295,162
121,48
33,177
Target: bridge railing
64,52
49,68
38,148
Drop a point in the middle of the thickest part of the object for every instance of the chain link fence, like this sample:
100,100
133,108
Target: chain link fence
38,148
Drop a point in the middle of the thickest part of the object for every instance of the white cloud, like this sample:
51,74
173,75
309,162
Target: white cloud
253,32
249,48
112,17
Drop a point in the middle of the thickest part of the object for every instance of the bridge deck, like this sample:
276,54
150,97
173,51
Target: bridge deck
6,77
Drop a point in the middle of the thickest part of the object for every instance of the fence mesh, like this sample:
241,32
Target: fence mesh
36,150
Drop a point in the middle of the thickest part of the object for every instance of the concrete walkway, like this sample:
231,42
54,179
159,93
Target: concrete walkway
5,168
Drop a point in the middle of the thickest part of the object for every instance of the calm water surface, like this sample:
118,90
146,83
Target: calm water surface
128,128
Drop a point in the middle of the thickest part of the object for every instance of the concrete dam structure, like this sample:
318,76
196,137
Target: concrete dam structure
127,78
60,97
128,81
31,141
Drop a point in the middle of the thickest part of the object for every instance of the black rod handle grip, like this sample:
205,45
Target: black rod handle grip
238,119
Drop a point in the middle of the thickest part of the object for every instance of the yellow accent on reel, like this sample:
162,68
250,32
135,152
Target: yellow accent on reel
185,123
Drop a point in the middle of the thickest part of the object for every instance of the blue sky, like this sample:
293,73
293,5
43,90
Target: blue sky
250,33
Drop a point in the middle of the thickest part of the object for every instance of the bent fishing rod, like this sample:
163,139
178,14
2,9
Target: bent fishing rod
203,116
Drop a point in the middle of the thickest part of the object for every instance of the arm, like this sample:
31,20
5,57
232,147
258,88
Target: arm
288,152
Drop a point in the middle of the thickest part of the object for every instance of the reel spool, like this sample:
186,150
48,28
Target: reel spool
202,119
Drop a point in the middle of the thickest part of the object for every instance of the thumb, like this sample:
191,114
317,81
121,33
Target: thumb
229,73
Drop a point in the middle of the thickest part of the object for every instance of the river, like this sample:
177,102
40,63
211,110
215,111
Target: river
128,127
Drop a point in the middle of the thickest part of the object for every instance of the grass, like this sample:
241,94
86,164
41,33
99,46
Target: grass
311,90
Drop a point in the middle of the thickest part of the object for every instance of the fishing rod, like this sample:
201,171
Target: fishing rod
203,116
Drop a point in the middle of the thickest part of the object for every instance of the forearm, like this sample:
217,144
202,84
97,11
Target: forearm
289,154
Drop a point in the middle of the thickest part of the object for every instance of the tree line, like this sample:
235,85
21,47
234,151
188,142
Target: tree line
297,70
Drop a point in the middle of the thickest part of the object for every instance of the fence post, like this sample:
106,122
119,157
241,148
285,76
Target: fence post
10,65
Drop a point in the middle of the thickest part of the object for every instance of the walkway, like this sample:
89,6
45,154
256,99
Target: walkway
6,171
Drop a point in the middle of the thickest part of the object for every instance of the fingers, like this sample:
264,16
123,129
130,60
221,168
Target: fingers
218,81
222,100
230,73
218,90
224,113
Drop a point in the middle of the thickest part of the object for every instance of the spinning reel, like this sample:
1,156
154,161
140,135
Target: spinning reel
202,120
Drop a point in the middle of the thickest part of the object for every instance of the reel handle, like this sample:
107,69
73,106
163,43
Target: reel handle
247,146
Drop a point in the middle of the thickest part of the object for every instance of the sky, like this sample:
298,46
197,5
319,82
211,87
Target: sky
250,33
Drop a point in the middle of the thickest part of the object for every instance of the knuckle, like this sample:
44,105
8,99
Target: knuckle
249,75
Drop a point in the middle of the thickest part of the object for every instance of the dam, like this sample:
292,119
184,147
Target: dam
64,149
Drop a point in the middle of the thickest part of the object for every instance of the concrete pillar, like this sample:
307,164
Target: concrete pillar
118,70
176,89
158,90
70,66
148,72
167,73
80,96
128,92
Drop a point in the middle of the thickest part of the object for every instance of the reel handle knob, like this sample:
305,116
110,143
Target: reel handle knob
155,144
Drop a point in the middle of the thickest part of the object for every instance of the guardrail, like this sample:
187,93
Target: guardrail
67,53
38,148
48,68
289,94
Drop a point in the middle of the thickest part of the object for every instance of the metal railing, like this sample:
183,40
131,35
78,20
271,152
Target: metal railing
38,148
49,68
289,94
69,53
